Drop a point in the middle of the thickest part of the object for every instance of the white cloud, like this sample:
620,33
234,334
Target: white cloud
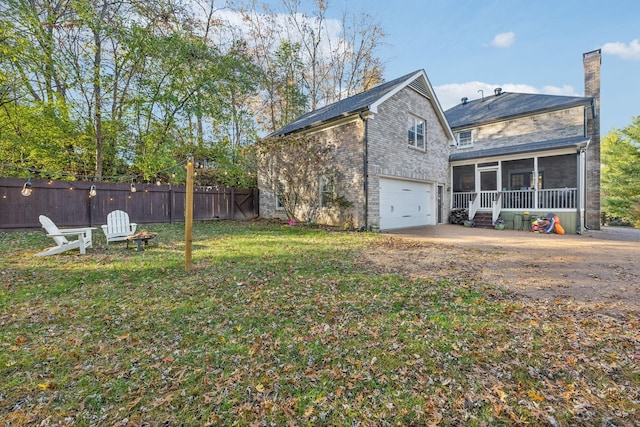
630,51
504,39
450,95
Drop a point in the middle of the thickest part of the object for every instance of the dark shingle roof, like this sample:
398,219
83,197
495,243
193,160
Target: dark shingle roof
578,142
346,107
508,105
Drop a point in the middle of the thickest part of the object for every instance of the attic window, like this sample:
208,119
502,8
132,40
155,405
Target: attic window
465,139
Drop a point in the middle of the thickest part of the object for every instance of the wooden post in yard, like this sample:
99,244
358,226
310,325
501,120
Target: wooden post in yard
188,214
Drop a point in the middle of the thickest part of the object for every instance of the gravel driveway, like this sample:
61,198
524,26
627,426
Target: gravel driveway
598,268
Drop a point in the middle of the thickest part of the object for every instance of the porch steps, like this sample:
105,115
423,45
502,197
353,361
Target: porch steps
483,220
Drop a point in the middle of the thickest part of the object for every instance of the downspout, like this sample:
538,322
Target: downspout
584,191
583,150
578,190
365,173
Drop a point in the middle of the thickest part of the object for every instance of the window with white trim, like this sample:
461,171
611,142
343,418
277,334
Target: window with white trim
327,191
280,189
417,129
465,139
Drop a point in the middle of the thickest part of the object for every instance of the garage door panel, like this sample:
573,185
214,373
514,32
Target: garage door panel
404,203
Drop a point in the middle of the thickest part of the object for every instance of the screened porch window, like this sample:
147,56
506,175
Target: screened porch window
524,180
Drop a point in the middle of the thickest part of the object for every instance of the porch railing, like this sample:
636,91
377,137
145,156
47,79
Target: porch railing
548,199
557,199
463,199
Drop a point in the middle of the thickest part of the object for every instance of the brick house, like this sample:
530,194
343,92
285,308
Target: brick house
521,156
402,162
391,148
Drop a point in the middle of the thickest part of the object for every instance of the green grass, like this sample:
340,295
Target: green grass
291,325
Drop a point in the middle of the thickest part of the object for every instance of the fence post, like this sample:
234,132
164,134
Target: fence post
232,209
188,212
170,203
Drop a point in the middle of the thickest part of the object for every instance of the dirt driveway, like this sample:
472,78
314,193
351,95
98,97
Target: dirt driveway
598,268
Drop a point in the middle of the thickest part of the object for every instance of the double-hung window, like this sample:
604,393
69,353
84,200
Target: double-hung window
417,129
465,139
280,192
327,191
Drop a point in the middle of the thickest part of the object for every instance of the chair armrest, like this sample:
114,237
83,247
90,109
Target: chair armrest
76,230
72,231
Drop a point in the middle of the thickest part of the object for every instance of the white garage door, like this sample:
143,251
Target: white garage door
405,204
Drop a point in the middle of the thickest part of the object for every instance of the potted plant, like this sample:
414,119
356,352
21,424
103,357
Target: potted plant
500,224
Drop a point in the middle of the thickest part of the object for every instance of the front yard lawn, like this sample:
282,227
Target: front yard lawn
279,325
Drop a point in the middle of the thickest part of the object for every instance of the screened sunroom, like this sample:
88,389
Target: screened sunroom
519,183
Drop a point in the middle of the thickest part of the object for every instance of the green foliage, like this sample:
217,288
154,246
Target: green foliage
288,76
621,173
226,166
105,88
34,136
142,96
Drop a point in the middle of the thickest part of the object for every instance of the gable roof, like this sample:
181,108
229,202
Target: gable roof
509,105
367,101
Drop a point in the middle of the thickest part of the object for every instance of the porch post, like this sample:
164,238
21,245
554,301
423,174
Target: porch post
535,182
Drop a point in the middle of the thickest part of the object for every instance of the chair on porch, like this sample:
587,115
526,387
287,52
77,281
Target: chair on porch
118,227
82,242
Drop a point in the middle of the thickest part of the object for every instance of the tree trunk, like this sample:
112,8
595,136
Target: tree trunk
97,97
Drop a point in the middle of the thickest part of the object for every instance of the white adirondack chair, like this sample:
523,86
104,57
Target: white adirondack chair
118,226
82,242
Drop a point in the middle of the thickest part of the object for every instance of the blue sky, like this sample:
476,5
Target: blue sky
521,46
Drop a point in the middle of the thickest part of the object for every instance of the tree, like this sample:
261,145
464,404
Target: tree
337,65
292,166
621,173
102,88
306,62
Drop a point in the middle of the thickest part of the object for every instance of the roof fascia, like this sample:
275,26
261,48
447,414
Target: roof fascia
329,124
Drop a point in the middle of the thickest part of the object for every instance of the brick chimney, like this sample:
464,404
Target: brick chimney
592,61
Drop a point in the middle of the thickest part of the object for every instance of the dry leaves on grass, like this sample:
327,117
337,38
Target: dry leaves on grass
269,331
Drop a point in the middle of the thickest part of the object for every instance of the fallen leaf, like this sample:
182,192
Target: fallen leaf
47,386
535,396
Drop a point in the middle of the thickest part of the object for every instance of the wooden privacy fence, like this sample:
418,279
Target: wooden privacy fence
68,203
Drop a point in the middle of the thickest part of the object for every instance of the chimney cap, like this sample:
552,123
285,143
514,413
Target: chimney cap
464,100
497,91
